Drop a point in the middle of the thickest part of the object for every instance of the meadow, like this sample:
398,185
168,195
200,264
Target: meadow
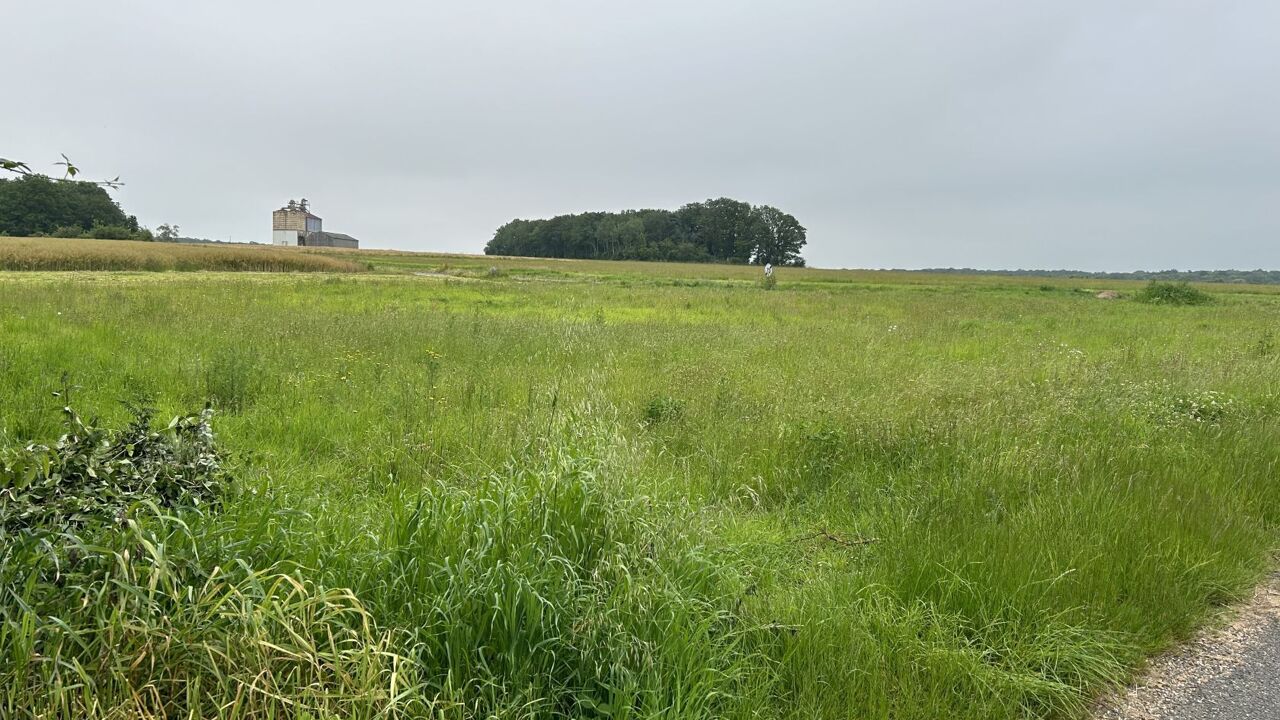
540,489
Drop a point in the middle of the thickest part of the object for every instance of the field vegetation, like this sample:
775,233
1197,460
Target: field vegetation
34,204
83,254
1167,293
485,487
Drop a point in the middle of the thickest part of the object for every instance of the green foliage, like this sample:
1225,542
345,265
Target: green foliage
1166,293
133,622
721,230
102,571
110,232
662,409
38,205
231,378
576,600
95,475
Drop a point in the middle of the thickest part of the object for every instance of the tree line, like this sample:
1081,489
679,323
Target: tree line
721,230
34,204
1255,277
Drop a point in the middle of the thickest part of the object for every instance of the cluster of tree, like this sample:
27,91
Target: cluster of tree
1256,277
721,230
34,204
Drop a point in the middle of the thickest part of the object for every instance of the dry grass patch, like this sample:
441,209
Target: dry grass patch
78,254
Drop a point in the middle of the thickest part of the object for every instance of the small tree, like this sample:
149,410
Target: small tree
167,233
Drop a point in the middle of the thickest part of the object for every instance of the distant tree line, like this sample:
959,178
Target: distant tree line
34,204
1256,277
721,230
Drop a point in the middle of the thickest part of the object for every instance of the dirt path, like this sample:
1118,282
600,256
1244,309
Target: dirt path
1231,673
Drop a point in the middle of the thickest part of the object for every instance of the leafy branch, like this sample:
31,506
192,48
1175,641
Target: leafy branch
70,173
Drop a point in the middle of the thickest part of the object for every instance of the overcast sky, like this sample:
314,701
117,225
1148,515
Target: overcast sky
1104,135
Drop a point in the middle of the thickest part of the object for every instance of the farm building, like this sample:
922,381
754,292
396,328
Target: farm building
294,224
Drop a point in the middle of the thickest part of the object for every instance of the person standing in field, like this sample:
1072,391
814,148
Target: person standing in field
768,270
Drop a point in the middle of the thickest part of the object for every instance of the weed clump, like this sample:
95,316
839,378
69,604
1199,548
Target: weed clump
1207,407
1167,293
1266,345
662,409
231,380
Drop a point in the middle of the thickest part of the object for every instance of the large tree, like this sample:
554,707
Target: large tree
38,205
780,238
725,227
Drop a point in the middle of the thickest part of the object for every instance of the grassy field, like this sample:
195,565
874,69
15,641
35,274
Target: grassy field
625,490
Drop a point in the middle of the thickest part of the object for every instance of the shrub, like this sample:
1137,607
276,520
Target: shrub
110,232
67,231
769,282
1167,293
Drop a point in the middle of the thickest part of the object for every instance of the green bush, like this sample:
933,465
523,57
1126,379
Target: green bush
1167,293
110,232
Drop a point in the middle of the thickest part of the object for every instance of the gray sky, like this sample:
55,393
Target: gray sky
1106,135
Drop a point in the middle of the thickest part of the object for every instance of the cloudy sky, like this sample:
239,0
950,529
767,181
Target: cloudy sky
1102,135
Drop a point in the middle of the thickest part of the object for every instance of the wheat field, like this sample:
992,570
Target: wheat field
81,254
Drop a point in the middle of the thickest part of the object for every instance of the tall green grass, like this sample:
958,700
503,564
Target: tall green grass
616,497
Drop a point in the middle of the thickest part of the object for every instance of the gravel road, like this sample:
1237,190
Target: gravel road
1232,673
